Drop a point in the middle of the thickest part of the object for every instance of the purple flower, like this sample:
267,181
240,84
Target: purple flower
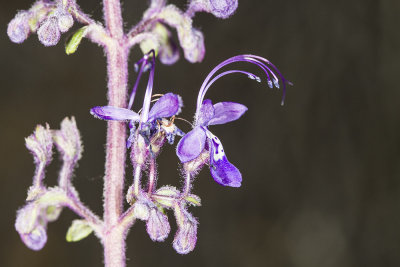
167,105
194,142
200,138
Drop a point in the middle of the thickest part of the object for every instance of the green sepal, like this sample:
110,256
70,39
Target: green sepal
73,43
79,230
193,200
166,196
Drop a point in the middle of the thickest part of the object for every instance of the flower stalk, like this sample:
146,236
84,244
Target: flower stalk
149,129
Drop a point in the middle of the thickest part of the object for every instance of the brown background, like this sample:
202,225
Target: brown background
321,175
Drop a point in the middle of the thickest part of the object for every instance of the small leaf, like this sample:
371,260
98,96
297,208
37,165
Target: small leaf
194,200
75,40
78,231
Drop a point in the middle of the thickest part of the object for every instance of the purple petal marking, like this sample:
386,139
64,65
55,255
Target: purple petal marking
167,106
206,113
226,112
223,172
191,145
114,113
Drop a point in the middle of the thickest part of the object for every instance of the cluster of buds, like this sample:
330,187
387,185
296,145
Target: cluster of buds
47,19
45,204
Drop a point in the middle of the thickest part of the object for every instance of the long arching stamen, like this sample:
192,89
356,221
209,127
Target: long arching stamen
284,81
133,93
149,90
246,58
259,61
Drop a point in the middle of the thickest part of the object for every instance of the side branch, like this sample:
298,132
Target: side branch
74,203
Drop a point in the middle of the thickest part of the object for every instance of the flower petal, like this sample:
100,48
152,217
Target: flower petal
226,112
114,113
191,145
168,105
206,113
223,172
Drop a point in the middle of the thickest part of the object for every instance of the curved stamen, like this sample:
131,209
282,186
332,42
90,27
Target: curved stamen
144,66
149,90
284,81
249,74
182,119
257,60
133,93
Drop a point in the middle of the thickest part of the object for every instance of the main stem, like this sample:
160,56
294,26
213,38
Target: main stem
117,70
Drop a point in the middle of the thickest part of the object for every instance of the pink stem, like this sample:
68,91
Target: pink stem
117,69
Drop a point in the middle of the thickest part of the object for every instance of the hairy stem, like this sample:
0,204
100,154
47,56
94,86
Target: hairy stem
117,70
152,175
136,180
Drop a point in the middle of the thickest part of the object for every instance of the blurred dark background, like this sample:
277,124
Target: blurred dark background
320,175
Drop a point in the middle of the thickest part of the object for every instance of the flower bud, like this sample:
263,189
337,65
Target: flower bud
18,29
49,34
219,8
191,40
29,226
27,218
68,140
36,239
40,143
157,225
223,8
186,236
65,21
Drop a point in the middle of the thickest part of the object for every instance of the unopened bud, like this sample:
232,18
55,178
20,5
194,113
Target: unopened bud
18,29
68,140
186,236
29,227
158,226
36,239
65,21
223,8
49,34
193,44
219,8
40,143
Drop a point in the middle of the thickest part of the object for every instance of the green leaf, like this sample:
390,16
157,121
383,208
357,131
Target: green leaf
78,231
75,40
